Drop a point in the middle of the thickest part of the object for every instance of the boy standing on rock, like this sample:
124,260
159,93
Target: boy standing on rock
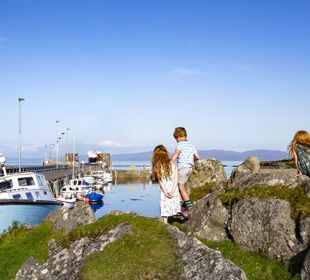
184,155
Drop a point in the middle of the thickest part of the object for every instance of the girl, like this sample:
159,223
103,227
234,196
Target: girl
167,175
299,151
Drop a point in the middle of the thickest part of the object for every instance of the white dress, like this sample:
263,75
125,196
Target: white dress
169,206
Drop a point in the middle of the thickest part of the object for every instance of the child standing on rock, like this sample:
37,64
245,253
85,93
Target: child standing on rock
184,154
167,174
299,151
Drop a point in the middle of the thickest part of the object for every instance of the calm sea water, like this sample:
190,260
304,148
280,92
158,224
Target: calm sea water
137,197
142,198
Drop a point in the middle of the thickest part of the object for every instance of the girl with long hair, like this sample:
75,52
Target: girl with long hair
299,151
167,175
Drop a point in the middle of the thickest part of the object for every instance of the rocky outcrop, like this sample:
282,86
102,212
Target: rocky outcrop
206,171
70,219
265,225
305,270
286,177
66,263
209,218
251,165
201,262
305,231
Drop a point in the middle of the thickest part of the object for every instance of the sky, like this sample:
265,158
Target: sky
122,74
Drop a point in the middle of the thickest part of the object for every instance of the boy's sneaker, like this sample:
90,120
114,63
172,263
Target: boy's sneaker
184,212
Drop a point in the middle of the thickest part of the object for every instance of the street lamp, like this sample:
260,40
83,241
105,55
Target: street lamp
62,146
57,143
20,99
67,143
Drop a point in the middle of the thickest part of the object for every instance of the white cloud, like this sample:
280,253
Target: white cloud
114,144
184,72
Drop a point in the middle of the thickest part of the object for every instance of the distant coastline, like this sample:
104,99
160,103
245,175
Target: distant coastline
218,154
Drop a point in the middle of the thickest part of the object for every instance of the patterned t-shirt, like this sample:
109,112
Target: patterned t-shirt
186,157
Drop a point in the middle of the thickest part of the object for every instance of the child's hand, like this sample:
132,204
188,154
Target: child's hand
169,195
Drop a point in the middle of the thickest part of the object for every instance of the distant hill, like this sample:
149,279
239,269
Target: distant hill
218,154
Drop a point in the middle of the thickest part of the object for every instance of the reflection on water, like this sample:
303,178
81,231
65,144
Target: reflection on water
142,198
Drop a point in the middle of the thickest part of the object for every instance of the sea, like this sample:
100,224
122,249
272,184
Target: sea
142,198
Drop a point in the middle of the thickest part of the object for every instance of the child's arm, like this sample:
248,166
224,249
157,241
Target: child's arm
175,179
175,155
296,163
163,188
196,156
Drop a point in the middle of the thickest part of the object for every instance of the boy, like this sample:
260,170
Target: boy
184,155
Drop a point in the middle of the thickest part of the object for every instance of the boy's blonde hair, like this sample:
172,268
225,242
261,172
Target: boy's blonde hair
179,132
301,137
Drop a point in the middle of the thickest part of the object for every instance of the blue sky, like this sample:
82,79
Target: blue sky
123,74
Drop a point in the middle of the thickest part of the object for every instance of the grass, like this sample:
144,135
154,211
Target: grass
18,244
200,192
149,253
298,199
256,267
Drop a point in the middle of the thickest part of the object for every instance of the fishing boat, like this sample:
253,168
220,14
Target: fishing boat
24,197
76,188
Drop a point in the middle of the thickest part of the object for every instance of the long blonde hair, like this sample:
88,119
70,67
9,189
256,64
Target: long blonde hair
301,137
160,163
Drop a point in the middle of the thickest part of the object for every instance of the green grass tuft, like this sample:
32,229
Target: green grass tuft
200,192
298,199
19,244
150,253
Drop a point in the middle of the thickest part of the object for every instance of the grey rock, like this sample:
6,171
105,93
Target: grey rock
273,177
66,263
305,270
70,219
305,231
209,218
265,225
251,165
206,171
201,262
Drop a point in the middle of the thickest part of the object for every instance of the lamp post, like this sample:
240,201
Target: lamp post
67,143
62,146
57,143
20,99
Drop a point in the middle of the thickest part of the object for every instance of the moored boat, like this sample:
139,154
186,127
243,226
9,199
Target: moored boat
24,197
93,196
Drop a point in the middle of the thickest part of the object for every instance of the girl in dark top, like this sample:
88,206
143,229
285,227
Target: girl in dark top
299,151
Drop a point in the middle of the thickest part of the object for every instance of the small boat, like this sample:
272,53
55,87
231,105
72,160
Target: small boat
93,196
67,202
102,175
24,197
76,188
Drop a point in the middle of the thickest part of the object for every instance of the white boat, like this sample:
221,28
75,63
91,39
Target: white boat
102,175
90,180
76,188
67,202
24,197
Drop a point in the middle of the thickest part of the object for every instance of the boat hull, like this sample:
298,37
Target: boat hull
25,212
